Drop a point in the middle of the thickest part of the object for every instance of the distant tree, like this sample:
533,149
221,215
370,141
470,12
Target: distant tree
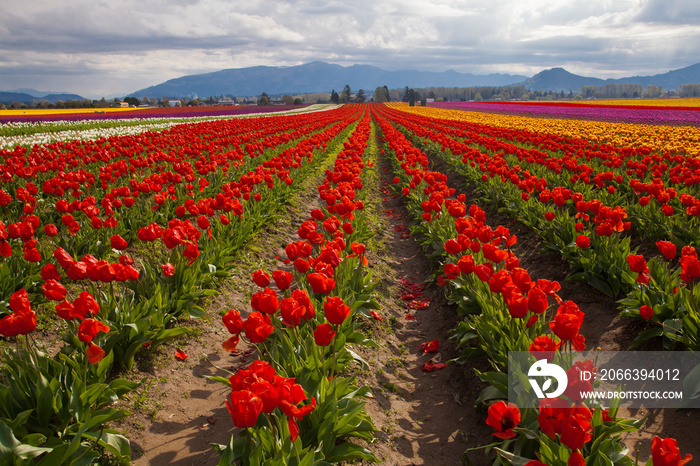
360,97
689,90
264,99
335,98
381,94
288,99
652,91
410,96
132,101
298,101
346,94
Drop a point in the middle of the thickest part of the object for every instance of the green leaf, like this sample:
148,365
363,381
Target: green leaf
350,452
117,444
218,378
645,336
490,393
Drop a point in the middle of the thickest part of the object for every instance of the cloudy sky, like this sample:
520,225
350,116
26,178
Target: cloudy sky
112,47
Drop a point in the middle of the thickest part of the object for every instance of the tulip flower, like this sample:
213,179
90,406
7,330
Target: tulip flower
503,417
335,309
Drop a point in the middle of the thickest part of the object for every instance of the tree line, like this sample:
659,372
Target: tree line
410,95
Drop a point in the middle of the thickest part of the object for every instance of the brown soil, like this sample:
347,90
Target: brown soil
423,418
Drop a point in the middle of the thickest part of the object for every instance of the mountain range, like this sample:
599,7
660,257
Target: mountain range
314,77
28,96
323,77
318,76
558,79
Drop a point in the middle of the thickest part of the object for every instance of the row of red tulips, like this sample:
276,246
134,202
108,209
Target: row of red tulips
123,306
631,180
504,309
304,330
593,237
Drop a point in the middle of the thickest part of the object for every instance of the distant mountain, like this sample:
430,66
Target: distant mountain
671,80
28,96
313,77
558,79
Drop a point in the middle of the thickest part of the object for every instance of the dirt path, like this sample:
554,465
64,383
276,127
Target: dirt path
422,417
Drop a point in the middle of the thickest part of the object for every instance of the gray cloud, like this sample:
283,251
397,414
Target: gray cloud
102,48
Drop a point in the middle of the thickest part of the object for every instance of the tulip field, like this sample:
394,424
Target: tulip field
118,230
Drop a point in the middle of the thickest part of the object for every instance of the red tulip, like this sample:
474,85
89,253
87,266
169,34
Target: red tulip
50,229
292,311
503,418
257,327
576,459
77,271
323,334
53,290
583,241
244,408
261,278
637,263
565,326
49,271
203,222
94,353
543,347
18,323
168,269
64,259
452,246
191,251
336,310
85,305
118,243
19,301
265,301
665,452
89,328
646,312
233,322
303,299
576,430
283,279
667,248
320,283
552,413
5,249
